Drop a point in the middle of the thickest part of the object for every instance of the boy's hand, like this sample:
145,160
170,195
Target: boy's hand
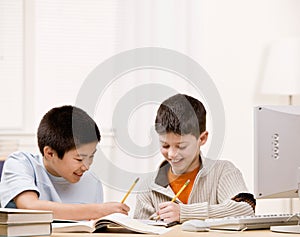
114,207
169,211
30,200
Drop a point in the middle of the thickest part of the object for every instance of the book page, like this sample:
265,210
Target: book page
153,222
78,226
132,224
116,219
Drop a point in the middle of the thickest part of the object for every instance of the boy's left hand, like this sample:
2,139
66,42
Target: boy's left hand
169,211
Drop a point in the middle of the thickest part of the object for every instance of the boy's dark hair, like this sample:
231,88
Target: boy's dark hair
181,114
64,128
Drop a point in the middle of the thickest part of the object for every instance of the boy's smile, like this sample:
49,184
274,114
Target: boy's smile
182,151
73,164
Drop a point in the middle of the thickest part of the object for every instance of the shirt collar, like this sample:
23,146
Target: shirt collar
161,177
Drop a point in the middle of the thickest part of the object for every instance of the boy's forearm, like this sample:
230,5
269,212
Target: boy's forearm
193,211
230,208
30,200
203,210
75,211
68,211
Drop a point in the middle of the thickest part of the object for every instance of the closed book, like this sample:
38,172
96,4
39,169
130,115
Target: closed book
25,229
22,216
108,223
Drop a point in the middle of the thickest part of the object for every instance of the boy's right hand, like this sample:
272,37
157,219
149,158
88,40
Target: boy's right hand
30,200
113,207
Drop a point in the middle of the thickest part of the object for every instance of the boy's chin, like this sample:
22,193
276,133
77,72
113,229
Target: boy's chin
74,179
177,171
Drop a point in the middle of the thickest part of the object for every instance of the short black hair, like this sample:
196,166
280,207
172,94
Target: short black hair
181,114
63,128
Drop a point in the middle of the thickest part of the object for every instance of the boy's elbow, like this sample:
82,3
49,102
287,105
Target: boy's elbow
26,200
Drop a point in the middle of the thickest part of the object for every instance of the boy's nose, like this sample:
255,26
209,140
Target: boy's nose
85,165
172,152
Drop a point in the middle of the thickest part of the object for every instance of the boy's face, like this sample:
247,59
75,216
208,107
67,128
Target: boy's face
73,164
182,151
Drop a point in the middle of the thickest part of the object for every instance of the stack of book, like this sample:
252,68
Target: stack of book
21,222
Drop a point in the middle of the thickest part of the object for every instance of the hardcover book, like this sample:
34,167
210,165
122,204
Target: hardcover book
23,222
29,229
110,222
15,216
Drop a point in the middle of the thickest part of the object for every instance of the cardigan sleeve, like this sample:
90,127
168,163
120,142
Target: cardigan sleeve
204,211
143,208
230,183
224,182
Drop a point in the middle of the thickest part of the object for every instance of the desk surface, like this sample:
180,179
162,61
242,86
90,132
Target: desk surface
176,232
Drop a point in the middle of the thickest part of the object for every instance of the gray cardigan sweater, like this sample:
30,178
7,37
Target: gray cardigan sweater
215,184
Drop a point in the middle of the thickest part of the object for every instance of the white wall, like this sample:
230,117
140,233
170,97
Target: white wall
236,38
228,38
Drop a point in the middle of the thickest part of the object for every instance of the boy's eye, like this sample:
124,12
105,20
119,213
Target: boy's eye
79,160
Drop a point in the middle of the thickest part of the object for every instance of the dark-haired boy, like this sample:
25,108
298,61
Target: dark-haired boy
216,187
59,179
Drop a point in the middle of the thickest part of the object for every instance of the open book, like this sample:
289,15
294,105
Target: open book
110,221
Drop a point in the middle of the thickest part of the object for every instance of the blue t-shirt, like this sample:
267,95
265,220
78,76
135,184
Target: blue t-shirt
24,171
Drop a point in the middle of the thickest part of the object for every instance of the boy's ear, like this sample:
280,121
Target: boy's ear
203,138
49,152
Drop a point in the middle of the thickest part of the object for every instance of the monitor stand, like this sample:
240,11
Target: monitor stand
292,229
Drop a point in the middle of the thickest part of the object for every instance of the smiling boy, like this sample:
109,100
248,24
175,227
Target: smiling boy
59,179
216,187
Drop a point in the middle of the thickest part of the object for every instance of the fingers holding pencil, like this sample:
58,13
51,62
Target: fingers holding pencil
169,211
117,207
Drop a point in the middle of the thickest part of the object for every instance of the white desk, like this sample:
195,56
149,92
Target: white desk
176,232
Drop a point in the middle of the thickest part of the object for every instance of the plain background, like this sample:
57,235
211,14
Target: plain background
49,47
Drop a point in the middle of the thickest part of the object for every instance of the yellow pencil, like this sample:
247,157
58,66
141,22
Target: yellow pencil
180,191
129,191
173,199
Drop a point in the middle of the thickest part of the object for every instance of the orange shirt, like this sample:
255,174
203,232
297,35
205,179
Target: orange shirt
177,181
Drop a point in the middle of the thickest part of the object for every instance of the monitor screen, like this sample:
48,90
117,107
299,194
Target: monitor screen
276,151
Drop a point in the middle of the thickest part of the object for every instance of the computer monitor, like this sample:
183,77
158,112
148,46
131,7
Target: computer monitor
277,155
276,151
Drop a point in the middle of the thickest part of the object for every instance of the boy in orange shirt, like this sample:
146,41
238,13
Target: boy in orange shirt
216,187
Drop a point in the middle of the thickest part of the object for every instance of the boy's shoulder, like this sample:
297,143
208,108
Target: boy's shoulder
224,162
227,164
23,156
23,159
217,162
217,166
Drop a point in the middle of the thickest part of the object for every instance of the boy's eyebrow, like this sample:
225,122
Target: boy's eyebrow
181,142
85,155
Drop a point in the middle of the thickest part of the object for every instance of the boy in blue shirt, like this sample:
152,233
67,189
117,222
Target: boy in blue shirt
59,179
